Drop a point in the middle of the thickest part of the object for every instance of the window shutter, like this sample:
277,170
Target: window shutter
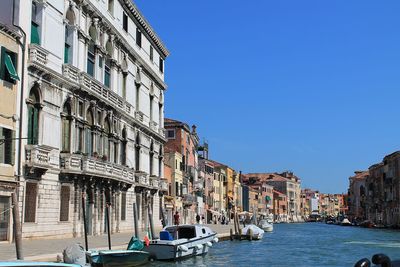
3,63
12,150
35,39
2,146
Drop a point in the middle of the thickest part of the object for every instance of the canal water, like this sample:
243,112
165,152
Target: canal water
306,244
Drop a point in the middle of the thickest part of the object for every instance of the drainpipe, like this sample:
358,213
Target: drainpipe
17,223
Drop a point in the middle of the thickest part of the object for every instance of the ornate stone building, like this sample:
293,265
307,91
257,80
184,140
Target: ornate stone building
94,118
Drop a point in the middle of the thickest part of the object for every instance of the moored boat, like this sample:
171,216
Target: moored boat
254,231
116,258
181,241
265,225
35,264
345,222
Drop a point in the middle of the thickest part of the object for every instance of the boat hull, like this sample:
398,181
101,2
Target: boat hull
179,249
119,258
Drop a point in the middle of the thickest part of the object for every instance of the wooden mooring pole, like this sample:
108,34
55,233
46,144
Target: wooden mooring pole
17,227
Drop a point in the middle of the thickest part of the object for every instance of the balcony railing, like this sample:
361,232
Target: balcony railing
139,116
154,181
40,156
75,163
188,199
93,86
38,54
142,179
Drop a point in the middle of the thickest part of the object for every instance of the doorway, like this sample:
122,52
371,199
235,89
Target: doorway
4,218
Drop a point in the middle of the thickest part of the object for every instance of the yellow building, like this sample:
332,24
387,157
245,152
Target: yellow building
9,90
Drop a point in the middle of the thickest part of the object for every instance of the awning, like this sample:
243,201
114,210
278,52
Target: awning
10,68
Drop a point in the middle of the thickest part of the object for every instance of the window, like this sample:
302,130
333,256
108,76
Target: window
161,65
151,108
30,202
151,53
66,128
35,36
68,45
33,117
7,147
125,22
111,6
124,86
176,189
138,37
171,134
80,139
107,73
64,203
137,153
8,66
90,59
151,159
123,147
89,133
123,206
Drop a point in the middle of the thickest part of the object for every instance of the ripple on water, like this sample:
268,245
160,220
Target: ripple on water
310,244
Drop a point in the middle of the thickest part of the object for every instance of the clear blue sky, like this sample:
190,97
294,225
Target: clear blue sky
307,86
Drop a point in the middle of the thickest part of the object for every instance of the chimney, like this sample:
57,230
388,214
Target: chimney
194,128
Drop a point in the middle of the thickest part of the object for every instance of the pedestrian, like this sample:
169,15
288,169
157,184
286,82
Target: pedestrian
223,220
176,218
198,219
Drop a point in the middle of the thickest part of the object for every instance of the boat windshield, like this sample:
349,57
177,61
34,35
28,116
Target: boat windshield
182,232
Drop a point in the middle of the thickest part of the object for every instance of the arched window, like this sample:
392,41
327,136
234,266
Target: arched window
151,158
89,132
137,153
123,147
69,39
33,116
66,128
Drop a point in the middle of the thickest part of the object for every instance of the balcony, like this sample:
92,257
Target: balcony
80,164
94,87
139,116
142,179
154,181
40,158
38,55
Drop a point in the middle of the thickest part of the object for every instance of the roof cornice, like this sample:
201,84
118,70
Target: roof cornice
146,26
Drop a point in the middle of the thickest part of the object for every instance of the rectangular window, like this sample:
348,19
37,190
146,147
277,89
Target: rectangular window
30,202
90,60
107,73
138,37
125,22
35,36
161,65
111,6
7,146
8,66
80,108
123,206
64,203
176,189
151,53
66,53
80,139
171,134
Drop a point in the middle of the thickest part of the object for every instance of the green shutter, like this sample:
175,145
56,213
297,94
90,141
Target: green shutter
10,68
12,150
35,39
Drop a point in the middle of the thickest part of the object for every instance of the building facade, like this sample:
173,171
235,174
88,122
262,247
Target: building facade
94,116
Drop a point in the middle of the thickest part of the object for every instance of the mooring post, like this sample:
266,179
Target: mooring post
17,227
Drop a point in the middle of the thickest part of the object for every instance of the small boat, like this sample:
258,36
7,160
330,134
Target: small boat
35,264
253,230
180,241
345,222
265,225
116,258
367,224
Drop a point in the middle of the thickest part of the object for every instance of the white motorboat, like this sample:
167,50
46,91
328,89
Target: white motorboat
256,232
345,222
265,225
181,241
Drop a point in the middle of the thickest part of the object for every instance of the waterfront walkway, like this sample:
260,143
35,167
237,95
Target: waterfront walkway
48,249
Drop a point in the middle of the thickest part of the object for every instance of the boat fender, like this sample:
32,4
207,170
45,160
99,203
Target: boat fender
183,248
209,244
199,247
215,240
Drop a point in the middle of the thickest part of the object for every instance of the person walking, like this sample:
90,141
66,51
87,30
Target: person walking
198,219
176,218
